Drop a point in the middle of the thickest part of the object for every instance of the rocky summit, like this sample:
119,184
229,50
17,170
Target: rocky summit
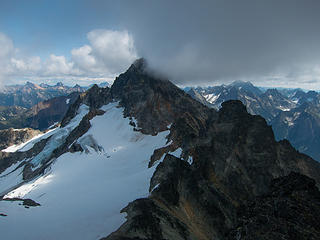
174,167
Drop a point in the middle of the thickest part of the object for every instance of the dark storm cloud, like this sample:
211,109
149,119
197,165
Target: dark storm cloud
192,41
202,41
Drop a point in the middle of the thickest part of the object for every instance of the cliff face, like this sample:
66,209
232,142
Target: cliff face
234,160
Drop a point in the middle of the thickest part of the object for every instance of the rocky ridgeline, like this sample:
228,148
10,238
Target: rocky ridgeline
154,102
235,159
229,161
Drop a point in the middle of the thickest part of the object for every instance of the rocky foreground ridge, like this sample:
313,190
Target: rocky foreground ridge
230,166
235,160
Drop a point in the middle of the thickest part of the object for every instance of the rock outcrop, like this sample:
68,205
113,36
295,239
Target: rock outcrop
234,163
235,160
12,136
290,210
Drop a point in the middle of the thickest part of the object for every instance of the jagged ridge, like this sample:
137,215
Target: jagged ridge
234,158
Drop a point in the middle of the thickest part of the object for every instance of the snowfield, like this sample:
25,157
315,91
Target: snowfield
82,194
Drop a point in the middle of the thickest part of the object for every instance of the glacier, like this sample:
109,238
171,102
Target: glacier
82,193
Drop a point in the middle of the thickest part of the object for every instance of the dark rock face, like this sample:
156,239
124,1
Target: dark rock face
290,210
95,98
25,202
153,101
235,159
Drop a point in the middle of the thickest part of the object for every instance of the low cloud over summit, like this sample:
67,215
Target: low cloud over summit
271,43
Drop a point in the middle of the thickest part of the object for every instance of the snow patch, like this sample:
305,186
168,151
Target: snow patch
177,153
53,125
289,121
282,108
155,187
190,160
211,98
82,196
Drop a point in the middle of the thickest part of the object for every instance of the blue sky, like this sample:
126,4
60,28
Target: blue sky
207,42
47,32
45,26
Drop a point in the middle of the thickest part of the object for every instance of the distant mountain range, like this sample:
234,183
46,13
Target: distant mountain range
30,94
293,113
36,106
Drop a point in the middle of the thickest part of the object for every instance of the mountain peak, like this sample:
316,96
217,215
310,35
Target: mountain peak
273,92
240,83
231,110
140,63
247,86
30,84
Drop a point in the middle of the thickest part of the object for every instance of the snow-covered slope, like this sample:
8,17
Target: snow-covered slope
82,193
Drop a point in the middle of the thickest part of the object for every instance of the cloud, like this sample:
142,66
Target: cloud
192,42
199,42
58,65
84,59
31,64
6,46
108,53
6,51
